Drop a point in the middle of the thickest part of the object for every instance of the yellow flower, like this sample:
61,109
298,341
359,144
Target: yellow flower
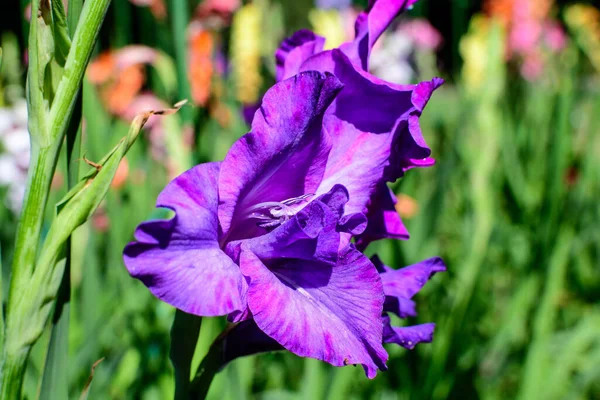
330,25
584,21
245,53
473,48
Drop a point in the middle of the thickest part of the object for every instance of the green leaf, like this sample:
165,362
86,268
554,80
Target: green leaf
41,44
30,313
55,378
61,32
83,200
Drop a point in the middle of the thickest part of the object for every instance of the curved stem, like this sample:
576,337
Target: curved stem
184,336
206,372
208,368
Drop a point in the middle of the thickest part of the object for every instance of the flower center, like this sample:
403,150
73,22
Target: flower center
271,214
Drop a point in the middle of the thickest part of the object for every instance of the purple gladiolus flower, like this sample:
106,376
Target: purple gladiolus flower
265,236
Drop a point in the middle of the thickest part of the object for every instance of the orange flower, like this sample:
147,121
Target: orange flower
121,175
200,50
501,9
406,206
512,11
119,95
121,75
102,68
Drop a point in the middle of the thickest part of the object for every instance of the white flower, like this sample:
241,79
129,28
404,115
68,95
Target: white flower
14,153
390,59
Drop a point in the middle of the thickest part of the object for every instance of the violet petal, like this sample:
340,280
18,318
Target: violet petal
283,156
407,336
179,259
328,312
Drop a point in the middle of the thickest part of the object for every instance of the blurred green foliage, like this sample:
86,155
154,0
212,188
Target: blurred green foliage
512,207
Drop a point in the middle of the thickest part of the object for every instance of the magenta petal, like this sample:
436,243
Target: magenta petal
331,313
179,259
283,156
408,336
407,281
373,141
295,50
313,234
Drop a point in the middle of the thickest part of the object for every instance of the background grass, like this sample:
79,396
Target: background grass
512,207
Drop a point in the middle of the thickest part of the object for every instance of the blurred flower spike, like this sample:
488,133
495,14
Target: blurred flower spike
246,53
532,35
584,21
121,75
272,236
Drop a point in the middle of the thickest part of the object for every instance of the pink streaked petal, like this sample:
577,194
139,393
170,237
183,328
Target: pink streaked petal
331,313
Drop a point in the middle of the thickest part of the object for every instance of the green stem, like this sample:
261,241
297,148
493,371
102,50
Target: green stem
207,370
82,45
15,354
55,383
184,336
179,22
12,378
39,178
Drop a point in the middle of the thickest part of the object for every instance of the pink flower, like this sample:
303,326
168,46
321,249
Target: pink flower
423,34
554,36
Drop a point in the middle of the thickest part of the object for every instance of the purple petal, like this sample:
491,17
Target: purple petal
354,224
370,25
408,336
400,306
295,50
407,281
283,156
374,139
331,313
179,259
313,234
383,219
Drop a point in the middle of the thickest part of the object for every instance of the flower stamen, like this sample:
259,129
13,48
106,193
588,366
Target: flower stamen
271,214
